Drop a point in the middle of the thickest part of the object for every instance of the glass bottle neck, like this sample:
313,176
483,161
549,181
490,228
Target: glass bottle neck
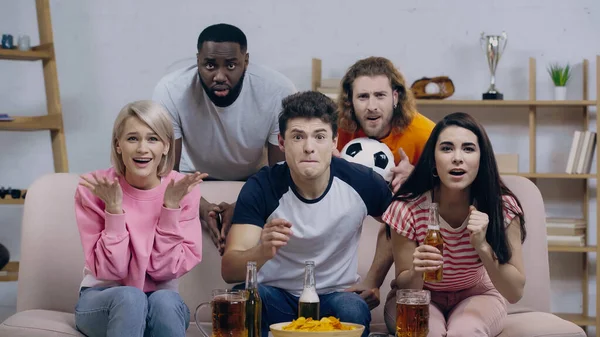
309,276
434,217
251,279
433,227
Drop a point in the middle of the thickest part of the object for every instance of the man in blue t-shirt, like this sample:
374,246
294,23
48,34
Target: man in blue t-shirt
310,207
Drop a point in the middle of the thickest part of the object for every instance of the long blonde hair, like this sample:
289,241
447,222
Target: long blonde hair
403,113
158,119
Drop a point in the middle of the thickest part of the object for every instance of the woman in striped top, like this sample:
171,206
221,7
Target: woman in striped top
482,225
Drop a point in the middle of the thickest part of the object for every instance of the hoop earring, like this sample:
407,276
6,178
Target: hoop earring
433,172
395,106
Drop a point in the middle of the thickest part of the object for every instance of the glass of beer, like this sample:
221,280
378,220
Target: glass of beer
228,313
412,312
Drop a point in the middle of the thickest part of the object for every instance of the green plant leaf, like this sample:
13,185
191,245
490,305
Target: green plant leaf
560,75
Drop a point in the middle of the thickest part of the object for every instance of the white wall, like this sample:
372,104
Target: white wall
112,52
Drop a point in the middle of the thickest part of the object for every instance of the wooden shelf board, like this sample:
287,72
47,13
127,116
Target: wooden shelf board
551,175
35,54
522,103
45,122
333,92
10,272
10,201
328,90
578,319
571,249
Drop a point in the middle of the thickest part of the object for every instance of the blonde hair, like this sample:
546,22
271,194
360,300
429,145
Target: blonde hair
403,113
156,117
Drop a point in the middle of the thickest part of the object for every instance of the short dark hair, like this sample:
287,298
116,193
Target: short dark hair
308,104
223,32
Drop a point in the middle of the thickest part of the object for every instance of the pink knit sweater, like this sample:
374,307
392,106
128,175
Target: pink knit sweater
148,246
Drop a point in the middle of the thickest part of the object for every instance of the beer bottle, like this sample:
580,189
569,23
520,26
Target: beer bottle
253,303
308,304
434,238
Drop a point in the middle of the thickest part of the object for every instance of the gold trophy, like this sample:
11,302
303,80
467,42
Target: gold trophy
493,46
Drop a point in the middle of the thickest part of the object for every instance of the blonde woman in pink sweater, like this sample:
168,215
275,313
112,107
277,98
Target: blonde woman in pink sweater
140,231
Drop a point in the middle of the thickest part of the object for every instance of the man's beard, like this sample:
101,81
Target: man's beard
224,101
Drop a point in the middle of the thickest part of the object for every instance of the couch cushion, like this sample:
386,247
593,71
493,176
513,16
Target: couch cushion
539,324
50,225
536,294
39,323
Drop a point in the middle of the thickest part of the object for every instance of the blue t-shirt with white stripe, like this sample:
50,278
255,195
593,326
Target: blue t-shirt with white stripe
325,230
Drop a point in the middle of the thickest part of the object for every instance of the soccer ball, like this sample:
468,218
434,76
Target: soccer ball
370,153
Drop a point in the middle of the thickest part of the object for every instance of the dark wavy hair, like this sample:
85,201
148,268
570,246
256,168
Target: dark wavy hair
486,190
374,66
308,104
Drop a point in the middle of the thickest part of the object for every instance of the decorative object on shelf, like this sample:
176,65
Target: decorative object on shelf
6,117
12,193
493,46
439,87
24,43
560,76
7,41
582,152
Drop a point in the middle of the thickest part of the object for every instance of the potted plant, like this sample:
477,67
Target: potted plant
560,76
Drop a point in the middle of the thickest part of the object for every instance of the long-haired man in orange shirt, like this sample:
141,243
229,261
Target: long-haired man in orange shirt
375,102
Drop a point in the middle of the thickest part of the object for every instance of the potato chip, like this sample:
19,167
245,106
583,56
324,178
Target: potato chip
325,324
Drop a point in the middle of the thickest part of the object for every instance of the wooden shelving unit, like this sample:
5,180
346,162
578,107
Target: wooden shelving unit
52,121
330,87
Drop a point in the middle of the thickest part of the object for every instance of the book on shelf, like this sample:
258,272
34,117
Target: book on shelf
581,153
566,240
565,231
564,222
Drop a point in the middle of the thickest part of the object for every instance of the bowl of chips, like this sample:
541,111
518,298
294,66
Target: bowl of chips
325,327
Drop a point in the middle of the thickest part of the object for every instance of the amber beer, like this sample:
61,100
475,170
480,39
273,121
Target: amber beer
228,308
309,303
434,238
412,313
229,316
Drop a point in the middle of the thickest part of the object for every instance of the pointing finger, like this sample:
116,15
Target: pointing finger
403,155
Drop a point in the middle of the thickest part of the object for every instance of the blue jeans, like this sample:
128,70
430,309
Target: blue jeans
280,306
128,311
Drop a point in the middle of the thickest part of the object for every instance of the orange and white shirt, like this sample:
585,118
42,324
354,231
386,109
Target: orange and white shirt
462,266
